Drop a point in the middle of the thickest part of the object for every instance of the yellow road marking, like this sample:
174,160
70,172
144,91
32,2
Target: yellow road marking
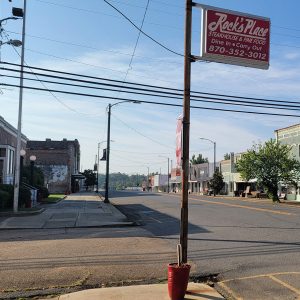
246,207
251,200
229,291
261,275
285,284
240,206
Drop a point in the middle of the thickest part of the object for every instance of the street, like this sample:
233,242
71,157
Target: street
251,245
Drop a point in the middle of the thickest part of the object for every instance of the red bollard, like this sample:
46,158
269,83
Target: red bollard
178,278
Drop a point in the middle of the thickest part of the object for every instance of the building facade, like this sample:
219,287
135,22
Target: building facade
8,145
60,163
290,136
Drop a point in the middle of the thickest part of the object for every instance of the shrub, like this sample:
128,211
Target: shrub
24,196
7,188
4,200
43,191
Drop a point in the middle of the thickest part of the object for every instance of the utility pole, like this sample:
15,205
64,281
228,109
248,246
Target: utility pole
98,169
106,200
168,175
19,135
186,130
214,157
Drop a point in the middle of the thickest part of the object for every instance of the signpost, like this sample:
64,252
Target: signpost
227,37
234,38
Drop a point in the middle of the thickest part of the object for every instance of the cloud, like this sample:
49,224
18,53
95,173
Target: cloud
292,55
151,128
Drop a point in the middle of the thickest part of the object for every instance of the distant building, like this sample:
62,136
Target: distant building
290,136
199,177
8,145
160,183
60,162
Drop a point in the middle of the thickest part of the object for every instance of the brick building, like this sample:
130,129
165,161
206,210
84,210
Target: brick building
8,145
60,162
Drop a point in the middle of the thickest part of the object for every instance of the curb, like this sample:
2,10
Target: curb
58,200
290,202
21,213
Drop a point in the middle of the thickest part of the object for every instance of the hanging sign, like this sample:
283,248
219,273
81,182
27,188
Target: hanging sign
179,141
235,38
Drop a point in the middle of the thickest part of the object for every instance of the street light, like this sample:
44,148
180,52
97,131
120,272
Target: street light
22,155
106,200
32,160
168,171
148,180
214,143
17,12
15,43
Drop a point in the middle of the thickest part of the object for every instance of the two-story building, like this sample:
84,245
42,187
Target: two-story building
290,136
8,145
60,163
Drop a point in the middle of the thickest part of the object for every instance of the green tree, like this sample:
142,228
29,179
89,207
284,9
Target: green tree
38,175
217,182
270,164
90,178
198,160
226,156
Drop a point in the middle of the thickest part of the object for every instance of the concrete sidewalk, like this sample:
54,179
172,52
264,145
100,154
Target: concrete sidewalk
75,211
195,291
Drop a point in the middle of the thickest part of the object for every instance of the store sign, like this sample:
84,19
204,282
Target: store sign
235,38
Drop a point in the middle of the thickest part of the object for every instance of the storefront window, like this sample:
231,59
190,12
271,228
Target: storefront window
2,152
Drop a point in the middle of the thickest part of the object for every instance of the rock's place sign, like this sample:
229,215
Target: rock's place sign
235,38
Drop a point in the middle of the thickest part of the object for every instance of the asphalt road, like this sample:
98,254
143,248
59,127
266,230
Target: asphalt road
251,244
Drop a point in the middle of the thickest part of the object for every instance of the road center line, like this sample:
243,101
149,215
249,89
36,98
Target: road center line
285,284
241,206
244,206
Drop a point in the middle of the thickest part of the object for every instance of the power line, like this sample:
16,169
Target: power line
42,83
154,9
149,88
136,43
160,2
124,16
95,48
141,134
211,100
151,102
95,66
144,33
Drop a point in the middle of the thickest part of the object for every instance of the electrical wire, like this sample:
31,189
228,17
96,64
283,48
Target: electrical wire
211,100
135,45
141,134
144,33
151,102
95,48
56,98
166,94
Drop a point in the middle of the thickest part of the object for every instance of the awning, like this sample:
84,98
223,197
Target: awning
253,180
78,176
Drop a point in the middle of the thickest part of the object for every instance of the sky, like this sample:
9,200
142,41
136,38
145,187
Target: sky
90,38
